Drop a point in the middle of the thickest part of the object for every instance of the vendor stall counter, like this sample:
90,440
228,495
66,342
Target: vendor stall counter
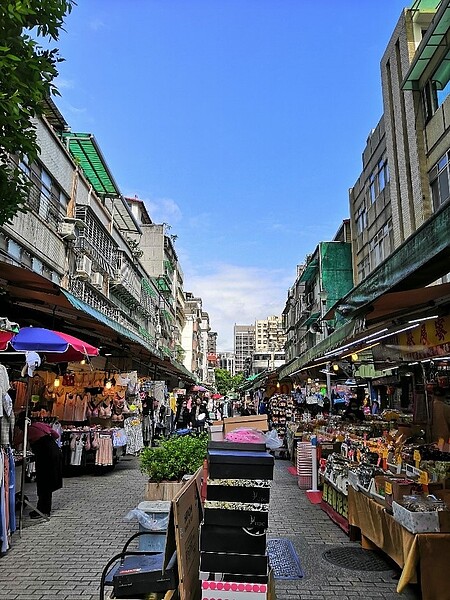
424,553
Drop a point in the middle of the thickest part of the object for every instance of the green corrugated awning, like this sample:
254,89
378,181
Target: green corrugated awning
148,288
84,149
167,315
309,271
311,319
434,40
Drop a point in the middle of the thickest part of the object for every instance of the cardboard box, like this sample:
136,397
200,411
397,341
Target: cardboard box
229,464
397,487
216,431
422,522
250,422
233,590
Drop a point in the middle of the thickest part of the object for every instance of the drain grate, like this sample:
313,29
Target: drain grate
284,559
356,559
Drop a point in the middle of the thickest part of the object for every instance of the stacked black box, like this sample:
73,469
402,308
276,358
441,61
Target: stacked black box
233,532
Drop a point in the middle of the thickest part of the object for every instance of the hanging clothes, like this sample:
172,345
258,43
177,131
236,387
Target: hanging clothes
134,433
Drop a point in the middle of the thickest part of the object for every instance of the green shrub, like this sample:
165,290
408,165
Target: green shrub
174,457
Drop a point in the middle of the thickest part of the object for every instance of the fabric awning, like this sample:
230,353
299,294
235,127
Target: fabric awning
309,271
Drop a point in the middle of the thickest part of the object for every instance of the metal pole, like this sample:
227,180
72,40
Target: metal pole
328,375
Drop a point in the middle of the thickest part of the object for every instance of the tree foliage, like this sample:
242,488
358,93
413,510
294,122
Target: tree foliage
27,71
225,382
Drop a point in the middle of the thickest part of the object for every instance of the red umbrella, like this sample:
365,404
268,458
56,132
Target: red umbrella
5,336
217,396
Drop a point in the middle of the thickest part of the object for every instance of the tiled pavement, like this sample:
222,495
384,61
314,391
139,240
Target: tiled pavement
310,530
62,559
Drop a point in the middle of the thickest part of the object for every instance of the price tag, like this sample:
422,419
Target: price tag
417,458
358,455
423,478
385,453
388,488
399,459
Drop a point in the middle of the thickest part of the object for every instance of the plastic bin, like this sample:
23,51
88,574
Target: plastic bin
158,511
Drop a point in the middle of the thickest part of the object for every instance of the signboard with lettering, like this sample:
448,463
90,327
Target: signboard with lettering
336,499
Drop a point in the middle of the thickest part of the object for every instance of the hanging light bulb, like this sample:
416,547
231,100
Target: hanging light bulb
108,385
83,362
335,367
354,357
57,382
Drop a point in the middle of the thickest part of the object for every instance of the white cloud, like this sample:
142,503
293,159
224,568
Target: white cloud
164,210
64,84
96,24
238,295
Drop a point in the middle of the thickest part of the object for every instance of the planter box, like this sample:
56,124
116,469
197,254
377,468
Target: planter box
217,538
237,493
236,518
166,490
229,464
242,564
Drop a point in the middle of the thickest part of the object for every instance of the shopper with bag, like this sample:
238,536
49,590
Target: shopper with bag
48,462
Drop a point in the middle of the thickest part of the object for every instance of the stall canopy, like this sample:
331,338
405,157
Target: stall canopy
40,302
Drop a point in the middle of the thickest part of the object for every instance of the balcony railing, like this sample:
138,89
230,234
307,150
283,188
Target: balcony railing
125,280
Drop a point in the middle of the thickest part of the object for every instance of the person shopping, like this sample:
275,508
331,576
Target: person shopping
48,462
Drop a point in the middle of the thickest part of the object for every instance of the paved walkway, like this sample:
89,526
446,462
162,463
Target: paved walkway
311,531
62,559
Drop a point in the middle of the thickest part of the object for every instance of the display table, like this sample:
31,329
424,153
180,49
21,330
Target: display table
428,551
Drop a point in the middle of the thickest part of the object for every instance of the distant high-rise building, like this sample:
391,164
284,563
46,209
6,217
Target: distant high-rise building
244,346
269,334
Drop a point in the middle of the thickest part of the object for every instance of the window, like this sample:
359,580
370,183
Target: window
361,219
439,182
377,180
383,174
381,244
363,268
372,188
429,100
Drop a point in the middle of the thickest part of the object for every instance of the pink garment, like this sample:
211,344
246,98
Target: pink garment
246,436
38,430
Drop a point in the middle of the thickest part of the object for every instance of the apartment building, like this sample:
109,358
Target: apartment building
399,206
73,260
405,180
244,346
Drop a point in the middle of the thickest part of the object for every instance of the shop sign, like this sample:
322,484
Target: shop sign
337,500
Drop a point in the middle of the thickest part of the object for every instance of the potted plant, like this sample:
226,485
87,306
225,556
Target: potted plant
167,463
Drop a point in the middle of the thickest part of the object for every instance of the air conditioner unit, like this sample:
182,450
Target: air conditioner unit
97,280
84,268
67,230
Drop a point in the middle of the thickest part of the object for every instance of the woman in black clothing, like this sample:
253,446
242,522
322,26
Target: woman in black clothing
183,416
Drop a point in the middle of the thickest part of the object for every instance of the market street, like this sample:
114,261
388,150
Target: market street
63,559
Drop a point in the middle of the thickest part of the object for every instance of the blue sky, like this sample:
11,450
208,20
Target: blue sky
241,123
